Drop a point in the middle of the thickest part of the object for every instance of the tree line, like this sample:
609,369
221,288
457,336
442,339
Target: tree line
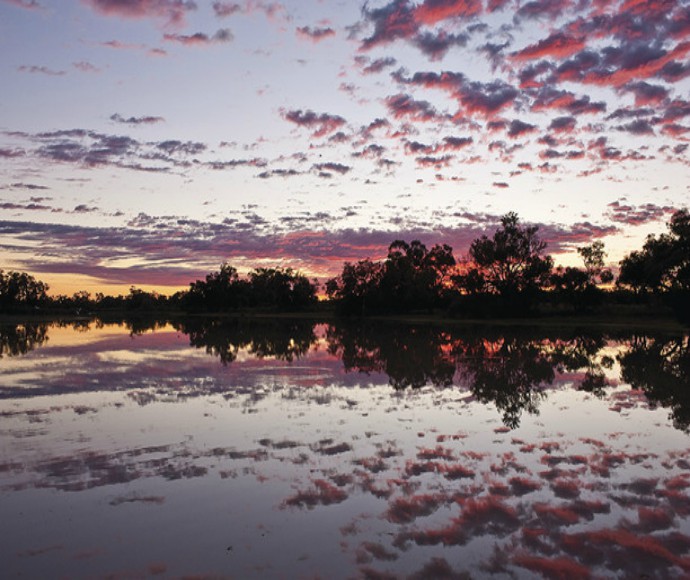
507,273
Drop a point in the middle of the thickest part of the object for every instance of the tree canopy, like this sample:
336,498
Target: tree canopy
663,263
19,289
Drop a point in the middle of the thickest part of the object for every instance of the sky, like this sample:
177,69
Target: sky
145,142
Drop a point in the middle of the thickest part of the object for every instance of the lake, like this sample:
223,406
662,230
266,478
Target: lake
284,449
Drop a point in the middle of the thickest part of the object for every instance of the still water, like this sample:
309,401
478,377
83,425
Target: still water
241,449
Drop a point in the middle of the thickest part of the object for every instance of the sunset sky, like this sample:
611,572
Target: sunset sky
144,142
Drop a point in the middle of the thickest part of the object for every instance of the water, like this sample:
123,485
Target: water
240,449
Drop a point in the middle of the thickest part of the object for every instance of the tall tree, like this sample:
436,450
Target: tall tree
357,288
510,264
19,289
413,275
663,264
579,287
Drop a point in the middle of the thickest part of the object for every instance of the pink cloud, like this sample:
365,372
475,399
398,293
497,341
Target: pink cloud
26,4
431,12
322,124
221,36
558,45
403,106
172,11
315,34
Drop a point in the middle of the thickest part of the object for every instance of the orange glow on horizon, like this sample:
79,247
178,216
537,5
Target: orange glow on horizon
68,284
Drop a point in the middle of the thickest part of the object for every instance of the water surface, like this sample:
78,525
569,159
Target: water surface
240,449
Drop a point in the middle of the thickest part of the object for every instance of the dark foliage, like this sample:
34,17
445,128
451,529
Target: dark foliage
662,266
510,265
661,368
273,288
21,291
411,278
283,339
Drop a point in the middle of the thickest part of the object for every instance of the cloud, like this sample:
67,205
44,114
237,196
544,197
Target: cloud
172,11
221,36
518,128
278,173
436,162
474,97
558,45
272,10
86,67
234,163
400,19
333,167
456,143
550,98
563,124
637,127
646,94
614,66
145,120
431,12
44,70
30,186
322,124
26,4
83,208
117,45
623,213
375,66
392,21
11,153
225,9
674,71
436,44
315,34
25,206
94,149
403,106
542,9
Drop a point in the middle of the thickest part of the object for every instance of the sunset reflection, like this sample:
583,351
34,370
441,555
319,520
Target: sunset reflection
400,450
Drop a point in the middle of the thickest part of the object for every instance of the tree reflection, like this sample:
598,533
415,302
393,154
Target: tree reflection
661,368
507,368
511,369
584,351
283,339
411,356
507,372
20,339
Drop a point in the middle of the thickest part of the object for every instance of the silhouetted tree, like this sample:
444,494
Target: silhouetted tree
357,289
21,290
222,290
275,288
412,275
411,278
663,264
143,301
510,265
281,288
580,288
